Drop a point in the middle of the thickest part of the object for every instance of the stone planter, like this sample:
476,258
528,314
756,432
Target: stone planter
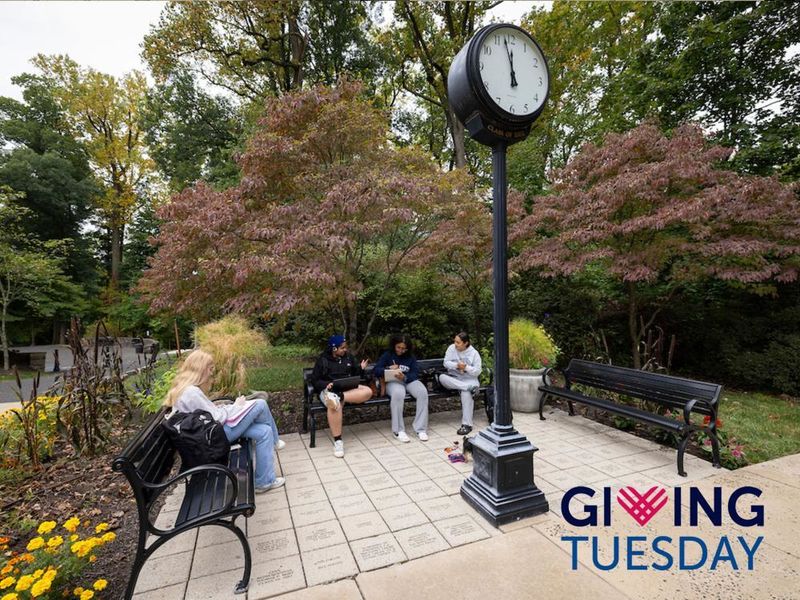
524,392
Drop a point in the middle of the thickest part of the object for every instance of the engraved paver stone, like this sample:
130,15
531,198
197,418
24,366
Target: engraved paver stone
320,535
329,564
376,552
421,541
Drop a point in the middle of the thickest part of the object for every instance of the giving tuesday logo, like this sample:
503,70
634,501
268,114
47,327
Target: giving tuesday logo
713,547
642,507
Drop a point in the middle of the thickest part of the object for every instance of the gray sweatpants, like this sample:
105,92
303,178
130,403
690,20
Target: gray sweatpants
467,401
397,393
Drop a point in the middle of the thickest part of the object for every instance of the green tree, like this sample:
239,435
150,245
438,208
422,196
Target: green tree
262,48
731,66
105,113
191,135
30,272
51,170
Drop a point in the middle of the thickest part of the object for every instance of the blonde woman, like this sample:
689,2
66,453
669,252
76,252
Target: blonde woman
189,393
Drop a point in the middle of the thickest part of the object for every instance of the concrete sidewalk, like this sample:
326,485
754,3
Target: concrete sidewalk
388,522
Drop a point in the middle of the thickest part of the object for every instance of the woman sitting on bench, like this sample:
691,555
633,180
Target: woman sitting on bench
463,364
188,394
337,363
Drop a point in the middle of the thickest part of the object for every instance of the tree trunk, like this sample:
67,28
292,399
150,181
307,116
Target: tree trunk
117,233
4,340
457,132
633,326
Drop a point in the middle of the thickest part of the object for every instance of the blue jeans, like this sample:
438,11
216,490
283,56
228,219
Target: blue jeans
259,426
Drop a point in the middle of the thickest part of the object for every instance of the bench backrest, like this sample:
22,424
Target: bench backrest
672,392
148,457
427,364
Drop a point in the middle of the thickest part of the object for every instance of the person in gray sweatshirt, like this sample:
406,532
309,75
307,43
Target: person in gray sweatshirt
463,364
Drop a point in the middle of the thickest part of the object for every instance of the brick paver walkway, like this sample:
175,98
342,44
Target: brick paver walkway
387,503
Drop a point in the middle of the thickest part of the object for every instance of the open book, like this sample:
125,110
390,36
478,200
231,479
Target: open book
237,411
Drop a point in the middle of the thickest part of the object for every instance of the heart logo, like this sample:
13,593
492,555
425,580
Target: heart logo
642,507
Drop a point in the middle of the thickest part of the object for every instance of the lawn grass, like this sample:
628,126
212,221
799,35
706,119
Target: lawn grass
766,426
281,374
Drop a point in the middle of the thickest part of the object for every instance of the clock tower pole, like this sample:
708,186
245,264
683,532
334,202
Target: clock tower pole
501,487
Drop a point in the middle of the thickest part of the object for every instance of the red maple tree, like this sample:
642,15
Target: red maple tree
325,203
657,211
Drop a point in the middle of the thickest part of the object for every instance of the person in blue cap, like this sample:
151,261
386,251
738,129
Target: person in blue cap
335,363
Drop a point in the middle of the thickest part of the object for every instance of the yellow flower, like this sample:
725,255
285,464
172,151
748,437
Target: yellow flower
73,537
87,595
23,583
40,587
109,537
35,544
38,573
11,596
77,591
92,558
47,527
100,585
101,528
55,541
72,524
7,582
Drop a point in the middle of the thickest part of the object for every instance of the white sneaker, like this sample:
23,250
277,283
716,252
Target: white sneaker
402,437
338,449
329,399
279,481
280,445
423,436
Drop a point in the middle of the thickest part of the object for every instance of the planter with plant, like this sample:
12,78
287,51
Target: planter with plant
530,351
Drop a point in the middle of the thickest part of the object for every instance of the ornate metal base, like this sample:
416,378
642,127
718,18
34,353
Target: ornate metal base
501,486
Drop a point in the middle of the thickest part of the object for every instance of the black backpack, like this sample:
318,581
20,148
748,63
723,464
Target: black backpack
198,438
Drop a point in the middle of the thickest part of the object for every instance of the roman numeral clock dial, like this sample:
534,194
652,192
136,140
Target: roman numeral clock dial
501,78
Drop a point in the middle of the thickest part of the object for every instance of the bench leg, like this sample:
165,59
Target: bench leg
313,420
681,450
488,404
242,586
714,450
138,563
571,408
541,407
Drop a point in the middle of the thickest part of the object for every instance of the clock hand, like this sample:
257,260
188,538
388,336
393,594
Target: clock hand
511,63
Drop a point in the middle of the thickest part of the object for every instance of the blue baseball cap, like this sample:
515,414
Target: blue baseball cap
335,341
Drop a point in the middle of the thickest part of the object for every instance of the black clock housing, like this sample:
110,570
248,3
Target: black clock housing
486,122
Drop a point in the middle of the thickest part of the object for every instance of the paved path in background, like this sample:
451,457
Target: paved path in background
8,389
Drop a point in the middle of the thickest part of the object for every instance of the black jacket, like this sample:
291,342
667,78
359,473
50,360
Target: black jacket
327,368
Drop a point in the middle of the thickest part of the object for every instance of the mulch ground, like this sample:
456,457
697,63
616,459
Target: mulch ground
87,487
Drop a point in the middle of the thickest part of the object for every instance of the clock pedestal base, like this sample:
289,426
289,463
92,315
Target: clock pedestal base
501,486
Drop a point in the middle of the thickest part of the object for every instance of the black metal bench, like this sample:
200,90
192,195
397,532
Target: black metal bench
214,494
673,393
429,371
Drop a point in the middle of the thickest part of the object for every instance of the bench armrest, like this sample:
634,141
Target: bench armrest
687,409
160,487
546,376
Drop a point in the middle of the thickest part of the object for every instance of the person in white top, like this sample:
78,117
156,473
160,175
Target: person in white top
463,364
189,393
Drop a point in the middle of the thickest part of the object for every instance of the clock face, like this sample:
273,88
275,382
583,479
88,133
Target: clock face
513,71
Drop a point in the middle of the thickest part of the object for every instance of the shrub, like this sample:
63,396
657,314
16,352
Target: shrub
54,561
151,402
232,343
30,430
529,346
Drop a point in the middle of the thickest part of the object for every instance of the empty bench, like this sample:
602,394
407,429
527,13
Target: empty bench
665,391
429,371
214,494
